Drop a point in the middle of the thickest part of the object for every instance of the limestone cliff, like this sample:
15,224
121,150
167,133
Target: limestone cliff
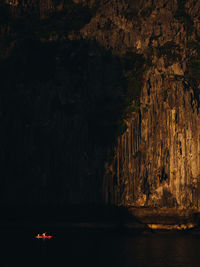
156,162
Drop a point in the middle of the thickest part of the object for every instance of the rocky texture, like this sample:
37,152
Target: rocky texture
155,163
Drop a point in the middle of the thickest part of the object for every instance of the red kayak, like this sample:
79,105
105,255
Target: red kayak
44,236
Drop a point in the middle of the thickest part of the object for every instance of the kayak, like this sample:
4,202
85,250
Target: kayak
44,237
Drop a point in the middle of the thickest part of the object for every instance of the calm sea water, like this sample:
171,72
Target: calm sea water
85,248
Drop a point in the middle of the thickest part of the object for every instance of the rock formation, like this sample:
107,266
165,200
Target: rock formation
156,161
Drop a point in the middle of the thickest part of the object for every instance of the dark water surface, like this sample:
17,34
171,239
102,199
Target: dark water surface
92,248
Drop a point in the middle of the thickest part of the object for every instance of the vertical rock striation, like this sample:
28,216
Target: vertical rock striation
156,162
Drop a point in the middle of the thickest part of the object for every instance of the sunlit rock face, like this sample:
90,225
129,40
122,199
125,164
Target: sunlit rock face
157,159
156,162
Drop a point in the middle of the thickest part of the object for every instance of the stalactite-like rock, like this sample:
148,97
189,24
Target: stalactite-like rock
156,162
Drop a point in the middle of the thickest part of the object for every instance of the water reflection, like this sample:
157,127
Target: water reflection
163,250
69,248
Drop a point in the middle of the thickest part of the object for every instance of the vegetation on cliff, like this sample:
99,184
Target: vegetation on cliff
193,70
170,52
183,17
192,74
58,23
133,70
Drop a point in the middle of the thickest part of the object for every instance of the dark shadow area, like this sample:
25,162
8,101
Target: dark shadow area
71,218
62,107
69,213
63,104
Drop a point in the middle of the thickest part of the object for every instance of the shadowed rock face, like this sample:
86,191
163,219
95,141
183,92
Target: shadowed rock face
156,161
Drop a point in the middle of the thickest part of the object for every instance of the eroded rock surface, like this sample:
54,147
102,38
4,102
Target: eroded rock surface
156,162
